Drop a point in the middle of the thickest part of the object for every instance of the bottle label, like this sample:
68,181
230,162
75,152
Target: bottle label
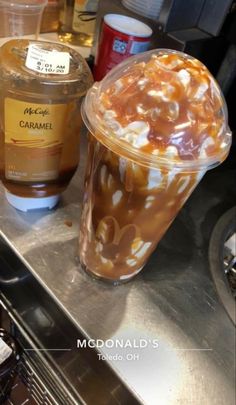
47,62
34,139
84,16
5,351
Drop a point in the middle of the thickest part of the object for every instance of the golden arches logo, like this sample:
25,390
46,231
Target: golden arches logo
110,232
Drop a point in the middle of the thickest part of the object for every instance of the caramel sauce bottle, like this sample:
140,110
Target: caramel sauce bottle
41,88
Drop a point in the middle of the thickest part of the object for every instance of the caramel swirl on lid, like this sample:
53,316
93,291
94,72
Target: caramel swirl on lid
169,106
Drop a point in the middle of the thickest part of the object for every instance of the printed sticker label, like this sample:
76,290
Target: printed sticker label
34,136
47,62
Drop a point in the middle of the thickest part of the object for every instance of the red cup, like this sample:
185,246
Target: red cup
121,37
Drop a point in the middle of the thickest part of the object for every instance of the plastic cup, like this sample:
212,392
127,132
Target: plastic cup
21,17
157,123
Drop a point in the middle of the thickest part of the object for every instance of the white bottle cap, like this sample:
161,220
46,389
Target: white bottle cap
128,25
26,204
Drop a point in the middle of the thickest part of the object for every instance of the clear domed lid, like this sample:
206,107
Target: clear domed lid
160,107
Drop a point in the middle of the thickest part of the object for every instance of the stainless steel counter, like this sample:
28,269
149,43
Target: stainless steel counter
172,304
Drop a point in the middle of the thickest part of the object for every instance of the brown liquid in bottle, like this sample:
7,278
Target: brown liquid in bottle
40,121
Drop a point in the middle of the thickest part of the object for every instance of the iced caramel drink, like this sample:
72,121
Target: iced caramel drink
157,123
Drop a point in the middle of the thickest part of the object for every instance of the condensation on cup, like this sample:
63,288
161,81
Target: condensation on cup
120,37
157,123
